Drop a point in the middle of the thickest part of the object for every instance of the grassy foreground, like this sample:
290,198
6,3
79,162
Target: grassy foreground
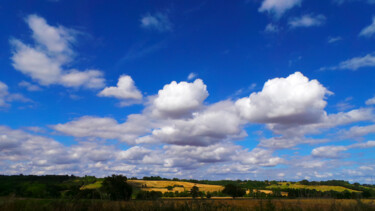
11,204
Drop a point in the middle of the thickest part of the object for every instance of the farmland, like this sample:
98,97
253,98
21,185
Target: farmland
162,186
286,185
116,192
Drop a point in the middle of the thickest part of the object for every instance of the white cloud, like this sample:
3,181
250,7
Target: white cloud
344,1
271,28
3,93
6,97
261,157
369,30
192,76
92,79
370,101
106,128
29,86
55,39
334,39
52,51
203,129
358,131
307,21
294,99
278,7
158,21
178,99
329,151
337,151
354,63
125,90
35,63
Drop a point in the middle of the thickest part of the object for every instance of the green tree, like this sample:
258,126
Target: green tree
116,187
234,190
194,192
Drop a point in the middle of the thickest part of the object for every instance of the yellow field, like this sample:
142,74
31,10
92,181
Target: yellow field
148,185
268,192
283,185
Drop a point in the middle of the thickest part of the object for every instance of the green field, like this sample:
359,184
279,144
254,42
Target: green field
286,185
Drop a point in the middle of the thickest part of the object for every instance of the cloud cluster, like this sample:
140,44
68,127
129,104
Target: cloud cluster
46,61
178,133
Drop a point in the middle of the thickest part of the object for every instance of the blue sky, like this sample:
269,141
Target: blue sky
256,89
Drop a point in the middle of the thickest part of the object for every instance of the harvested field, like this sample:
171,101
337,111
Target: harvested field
149,185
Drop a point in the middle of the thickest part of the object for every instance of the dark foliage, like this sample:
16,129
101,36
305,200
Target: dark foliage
234,191
116,187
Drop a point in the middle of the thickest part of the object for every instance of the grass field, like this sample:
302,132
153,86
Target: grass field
11,204
284,185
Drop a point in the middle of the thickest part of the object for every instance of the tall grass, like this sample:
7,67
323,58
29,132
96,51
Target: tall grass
10,204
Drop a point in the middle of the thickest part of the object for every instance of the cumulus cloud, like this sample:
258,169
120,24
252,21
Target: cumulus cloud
307,21
278,7
158,21
261,157
294,99
125,90
178,99
44,61
177,133
203,129
368,31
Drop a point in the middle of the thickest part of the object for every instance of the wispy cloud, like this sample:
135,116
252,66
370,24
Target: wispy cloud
354,63
158,21
334,39
307,21
192,76
278,7
369,30
271,28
